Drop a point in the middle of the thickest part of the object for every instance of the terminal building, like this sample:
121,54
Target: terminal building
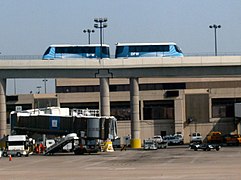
167,105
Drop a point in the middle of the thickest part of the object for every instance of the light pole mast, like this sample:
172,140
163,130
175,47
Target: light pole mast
88,31
101,23
215,36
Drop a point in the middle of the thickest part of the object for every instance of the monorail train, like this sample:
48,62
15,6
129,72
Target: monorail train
62,51
129,50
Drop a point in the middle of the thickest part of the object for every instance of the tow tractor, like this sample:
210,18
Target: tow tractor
150,144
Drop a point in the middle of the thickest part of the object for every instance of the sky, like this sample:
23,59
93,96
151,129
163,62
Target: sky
28,27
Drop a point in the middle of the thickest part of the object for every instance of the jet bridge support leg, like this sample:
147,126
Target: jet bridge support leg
135,121
3,120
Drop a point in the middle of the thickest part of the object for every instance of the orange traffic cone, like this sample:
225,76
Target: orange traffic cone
10,157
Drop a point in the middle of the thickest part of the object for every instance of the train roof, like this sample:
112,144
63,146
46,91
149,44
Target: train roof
78,45
144,44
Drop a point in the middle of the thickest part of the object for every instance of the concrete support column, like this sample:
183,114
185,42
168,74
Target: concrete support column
3,120
104,96
179,107
135,122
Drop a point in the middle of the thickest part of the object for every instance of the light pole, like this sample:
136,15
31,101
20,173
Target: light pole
45,85
215,35
101,23
14,86
38,87
88,31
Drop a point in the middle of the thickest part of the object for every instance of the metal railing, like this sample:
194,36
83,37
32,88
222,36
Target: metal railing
39,57
20,57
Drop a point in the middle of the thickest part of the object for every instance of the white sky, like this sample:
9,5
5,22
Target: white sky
29,26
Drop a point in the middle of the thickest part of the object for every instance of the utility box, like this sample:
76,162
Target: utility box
237,110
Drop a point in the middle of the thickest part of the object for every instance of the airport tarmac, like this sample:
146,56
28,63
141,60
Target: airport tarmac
177,162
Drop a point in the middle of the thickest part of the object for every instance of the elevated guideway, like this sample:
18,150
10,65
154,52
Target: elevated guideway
132,68
123,68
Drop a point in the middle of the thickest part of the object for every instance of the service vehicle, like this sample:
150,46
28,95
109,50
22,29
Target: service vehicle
214,137
232,139
18,145
160,143
196,137
150,144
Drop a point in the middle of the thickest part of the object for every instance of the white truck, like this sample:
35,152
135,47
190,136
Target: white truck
18,145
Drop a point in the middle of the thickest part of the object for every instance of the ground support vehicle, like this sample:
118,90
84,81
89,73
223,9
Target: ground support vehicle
58,145
232,139
18,145
204,147
150,144
214,137
87,146
161,145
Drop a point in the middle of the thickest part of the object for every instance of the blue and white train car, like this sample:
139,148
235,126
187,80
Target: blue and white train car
130,50
67,51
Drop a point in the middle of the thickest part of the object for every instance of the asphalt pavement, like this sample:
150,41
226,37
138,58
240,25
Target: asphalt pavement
175,162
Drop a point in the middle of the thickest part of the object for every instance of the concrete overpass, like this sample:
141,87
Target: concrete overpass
217,66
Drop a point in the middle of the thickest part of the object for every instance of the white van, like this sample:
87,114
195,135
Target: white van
196,137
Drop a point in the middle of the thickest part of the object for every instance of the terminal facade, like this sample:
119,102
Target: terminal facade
166,105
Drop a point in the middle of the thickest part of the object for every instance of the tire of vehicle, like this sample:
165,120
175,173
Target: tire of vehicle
18,154
79,151
208,149
5,154
195,149
217,148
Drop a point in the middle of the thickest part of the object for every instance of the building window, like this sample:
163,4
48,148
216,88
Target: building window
156,110
120,87
92,105
224,107
42,103
121,110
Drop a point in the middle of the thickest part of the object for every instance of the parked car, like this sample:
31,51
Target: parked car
196,137
204,147
158,138
180,137
171,140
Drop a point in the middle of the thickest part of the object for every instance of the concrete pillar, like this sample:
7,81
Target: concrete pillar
104,96
3,120
179,107
135,122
